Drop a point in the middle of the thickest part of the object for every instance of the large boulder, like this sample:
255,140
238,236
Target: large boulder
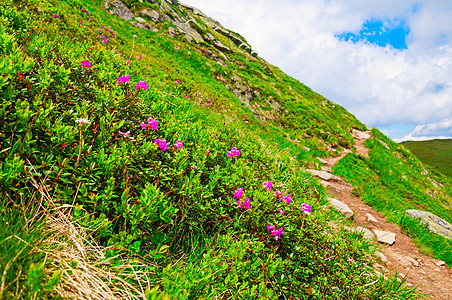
433,222
117,8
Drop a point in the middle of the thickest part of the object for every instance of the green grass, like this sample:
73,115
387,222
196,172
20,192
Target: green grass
161,224
435,153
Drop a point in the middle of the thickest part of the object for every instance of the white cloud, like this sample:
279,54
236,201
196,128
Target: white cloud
381,86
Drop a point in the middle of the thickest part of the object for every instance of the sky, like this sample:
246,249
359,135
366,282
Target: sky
388,62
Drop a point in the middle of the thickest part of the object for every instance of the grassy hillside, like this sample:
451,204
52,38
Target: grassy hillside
435,153
136,165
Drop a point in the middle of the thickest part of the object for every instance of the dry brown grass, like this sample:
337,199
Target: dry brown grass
86,273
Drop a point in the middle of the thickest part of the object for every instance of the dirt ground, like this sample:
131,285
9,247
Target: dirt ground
403,256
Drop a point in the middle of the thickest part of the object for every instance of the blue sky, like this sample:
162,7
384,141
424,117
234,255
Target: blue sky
380,33
387,62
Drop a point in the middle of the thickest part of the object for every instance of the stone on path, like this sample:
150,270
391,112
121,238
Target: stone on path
367,234
433,222
371,218
341,207
385,237
323,175
440,263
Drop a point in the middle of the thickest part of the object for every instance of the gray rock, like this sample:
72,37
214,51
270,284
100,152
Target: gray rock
219,45
341,207
117,8
141,20
151,14
254,53
245,46
385,237
321,160
367,234
171,32
189,33
434,223
139,25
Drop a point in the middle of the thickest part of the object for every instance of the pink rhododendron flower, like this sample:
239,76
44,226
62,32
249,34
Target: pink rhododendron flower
306,208
238,194
277,233
247,203
162,144
55,16
86,64
153,124
281,211
142,85
122,79
267,185
270,228
125,134
178,145
143,125
278,194
288,199
234,152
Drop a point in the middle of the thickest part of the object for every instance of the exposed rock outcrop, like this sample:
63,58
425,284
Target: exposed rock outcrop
433,222
117,8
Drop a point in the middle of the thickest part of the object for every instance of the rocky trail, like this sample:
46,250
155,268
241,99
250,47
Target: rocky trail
398,252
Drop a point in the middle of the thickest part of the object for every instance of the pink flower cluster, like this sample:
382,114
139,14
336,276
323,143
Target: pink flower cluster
151,123
234,152
104,36
122,79
86,64
306,208
178,145
276,233
267,185
142,85
162,144
238,194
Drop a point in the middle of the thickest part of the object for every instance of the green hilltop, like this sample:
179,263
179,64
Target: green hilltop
147,152
435,153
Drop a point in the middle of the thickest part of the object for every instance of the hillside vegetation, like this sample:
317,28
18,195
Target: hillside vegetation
140,164
435,153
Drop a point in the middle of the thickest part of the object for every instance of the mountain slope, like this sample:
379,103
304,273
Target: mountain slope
435,153
176,152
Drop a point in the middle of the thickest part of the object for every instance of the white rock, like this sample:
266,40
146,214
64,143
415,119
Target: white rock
371,218
440,263
362,135
341,207
385,236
